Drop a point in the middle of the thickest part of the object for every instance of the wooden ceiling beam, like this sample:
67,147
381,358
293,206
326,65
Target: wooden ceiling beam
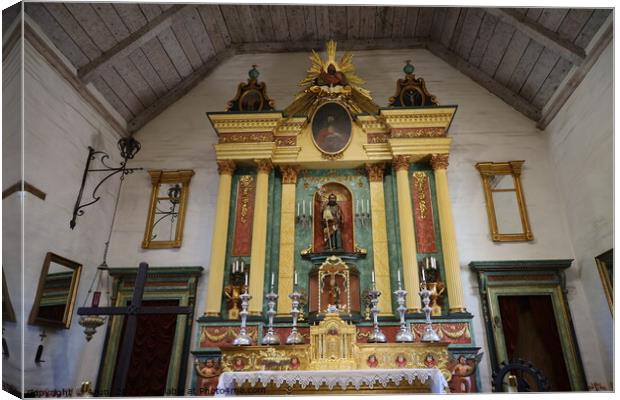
540,34
513,99
345,44
132,42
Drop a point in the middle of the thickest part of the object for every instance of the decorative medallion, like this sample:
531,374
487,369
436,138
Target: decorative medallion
331,128
251,96
411,91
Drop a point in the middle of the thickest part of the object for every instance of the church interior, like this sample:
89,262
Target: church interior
239,199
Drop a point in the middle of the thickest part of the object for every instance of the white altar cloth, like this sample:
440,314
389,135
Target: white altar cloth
332,378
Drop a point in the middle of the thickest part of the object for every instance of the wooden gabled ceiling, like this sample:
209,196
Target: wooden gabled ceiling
143,57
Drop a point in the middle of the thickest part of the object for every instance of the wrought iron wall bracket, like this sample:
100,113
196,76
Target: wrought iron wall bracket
129,147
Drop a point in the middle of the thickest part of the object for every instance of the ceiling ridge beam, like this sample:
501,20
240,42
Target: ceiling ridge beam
511,98
126,46
540,34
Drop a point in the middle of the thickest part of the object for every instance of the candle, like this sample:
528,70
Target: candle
423,277
367,206
272,279
373,276
303,207
246,279
426,260
295,281
433,263
310,209
298,214
398,276
357,206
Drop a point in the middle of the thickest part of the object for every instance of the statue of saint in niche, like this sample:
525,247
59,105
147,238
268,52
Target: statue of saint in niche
331,215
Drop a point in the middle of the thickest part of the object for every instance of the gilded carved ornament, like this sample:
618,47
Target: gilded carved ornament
401,162
375,172
226,167
419,179
439,161
264,165
289,173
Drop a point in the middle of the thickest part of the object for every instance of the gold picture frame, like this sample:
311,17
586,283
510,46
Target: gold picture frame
177,196
332,128
603,262
491,173
53,287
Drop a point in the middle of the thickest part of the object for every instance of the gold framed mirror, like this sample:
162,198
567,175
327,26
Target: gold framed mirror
605,266
505,202
166,218
56,293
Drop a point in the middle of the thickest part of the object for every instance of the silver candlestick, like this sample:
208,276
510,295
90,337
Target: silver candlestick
271,337
243,339
376,336
429,333
295,337
404,334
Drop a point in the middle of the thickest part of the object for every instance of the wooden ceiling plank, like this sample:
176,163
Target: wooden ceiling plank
497,48
197,36
206,31
56,33
151,11
471,25
547,60
130,43
310,20
94,26
541,34
319,45
515,50
322,23
383,24
175,52
279,23
400,22
367,22
338,22
132,15
128,71
487,29
118,84
551,84
449,26
179,91
112,20
221,24
551,18
573,23
591,27
144,66
484,80
295,19
425,20
524,66
412,20
534,13
262,23
458,30
353,23
161,63
112,98
233,23
439,20
247,23
73,29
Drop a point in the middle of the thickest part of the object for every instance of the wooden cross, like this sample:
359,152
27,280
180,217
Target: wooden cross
132,311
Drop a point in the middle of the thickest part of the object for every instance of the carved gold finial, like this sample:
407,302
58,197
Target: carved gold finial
375,172
289,173
264,165
226,167
439,161
401,162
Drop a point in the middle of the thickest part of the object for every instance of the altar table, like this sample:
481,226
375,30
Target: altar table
307,382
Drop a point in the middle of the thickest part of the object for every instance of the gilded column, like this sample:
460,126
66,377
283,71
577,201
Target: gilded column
286,261
407,234
439,162
379,236
225,168
259,237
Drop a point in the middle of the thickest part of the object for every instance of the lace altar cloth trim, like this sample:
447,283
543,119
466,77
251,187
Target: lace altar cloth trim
343,379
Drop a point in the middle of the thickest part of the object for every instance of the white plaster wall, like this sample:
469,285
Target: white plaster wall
580,143
58,127
11,211
484,129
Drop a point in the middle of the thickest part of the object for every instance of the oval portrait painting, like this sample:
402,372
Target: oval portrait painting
331,128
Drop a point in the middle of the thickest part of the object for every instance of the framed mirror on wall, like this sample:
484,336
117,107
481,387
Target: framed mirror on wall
505,202
56,293
169,193
605,266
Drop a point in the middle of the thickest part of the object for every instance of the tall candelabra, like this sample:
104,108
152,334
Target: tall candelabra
404,334
271,337
429,333
243,339
362,214
295,337
376,336
304,219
